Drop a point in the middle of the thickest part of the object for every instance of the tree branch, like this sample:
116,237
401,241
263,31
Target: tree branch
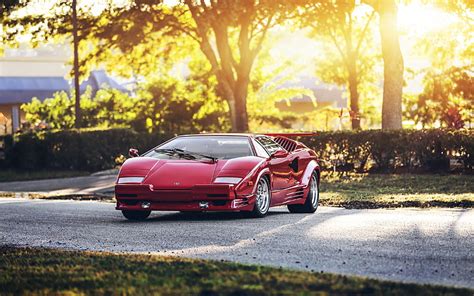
364,32
258,47
336,43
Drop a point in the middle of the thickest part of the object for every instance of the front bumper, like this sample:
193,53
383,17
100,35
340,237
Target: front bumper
214,197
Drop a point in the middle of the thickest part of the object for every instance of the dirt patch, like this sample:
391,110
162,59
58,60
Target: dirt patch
87,197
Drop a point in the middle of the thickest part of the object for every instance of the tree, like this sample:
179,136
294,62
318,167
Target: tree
447,98
38,25
228,33
337,21
393,63
463,8
75,41
238,29
7,5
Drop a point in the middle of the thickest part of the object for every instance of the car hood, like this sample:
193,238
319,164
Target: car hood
184,174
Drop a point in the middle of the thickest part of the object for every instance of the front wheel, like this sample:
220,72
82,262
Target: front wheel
262,198
312,200
136,215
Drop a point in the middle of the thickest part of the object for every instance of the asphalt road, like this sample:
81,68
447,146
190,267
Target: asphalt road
93,184
413,245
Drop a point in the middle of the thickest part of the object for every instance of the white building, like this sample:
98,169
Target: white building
26,73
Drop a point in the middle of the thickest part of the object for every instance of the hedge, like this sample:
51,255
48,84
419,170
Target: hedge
87,150
373,150
435,150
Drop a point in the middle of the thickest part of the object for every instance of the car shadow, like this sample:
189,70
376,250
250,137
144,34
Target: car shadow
201,216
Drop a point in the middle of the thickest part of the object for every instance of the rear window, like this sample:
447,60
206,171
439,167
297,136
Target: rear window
269,145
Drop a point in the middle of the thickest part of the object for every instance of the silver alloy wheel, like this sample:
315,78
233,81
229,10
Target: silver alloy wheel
314,191
263,196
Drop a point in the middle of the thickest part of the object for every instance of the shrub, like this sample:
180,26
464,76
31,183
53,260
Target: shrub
89,150
363,151
395,151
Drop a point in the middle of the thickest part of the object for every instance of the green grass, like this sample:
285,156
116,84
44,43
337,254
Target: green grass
16,175
32,271
396,190
351,190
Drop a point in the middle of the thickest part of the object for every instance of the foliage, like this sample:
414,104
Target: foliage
10,175
225,45
447,98
343,27
108,108
5,7
147,30
374,150
83,150
464,8
166,105
268,87
176,106
395,151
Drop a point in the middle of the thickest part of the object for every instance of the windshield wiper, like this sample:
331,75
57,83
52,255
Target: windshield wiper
185,154
172,152
190,153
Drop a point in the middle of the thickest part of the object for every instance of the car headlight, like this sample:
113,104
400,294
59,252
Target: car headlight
227,180
124,180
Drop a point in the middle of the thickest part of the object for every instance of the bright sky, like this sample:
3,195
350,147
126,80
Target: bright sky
414,20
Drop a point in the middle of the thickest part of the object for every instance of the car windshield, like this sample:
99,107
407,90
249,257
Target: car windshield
199,147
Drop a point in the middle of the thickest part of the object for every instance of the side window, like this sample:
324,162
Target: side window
269,145
259,149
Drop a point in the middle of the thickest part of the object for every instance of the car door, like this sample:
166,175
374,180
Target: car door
279,166
298,162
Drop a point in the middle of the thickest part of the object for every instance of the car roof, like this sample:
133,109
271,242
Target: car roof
222,134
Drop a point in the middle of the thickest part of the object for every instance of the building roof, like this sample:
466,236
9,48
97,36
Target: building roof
323,92
99,79
19,90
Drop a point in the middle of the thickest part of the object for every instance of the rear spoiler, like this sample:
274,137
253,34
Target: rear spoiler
288,135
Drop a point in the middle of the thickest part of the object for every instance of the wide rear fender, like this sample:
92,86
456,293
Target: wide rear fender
310,168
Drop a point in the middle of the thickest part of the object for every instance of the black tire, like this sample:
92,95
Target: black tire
136,215
260,210
311,204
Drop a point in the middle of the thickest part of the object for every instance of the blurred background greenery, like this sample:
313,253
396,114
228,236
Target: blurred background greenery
257,66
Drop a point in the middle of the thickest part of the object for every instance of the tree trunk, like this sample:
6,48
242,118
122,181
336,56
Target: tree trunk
354,93
241,91
393,66
77,92
237,101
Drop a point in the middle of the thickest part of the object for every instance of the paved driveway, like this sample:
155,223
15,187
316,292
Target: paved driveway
426,246
94,184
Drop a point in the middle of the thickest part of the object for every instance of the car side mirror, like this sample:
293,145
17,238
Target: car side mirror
133,152
279,154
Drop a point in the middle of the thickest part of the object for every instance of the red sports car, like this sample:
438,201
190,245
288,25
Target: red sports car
220,172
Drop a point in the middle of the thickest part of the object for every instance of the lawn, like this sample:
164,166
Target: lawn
350,190
375,190
48,271
25,175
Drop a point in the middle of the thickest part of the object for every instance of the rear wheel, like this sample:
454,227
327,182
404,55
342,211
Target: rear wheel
262,198
312,200
136,215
